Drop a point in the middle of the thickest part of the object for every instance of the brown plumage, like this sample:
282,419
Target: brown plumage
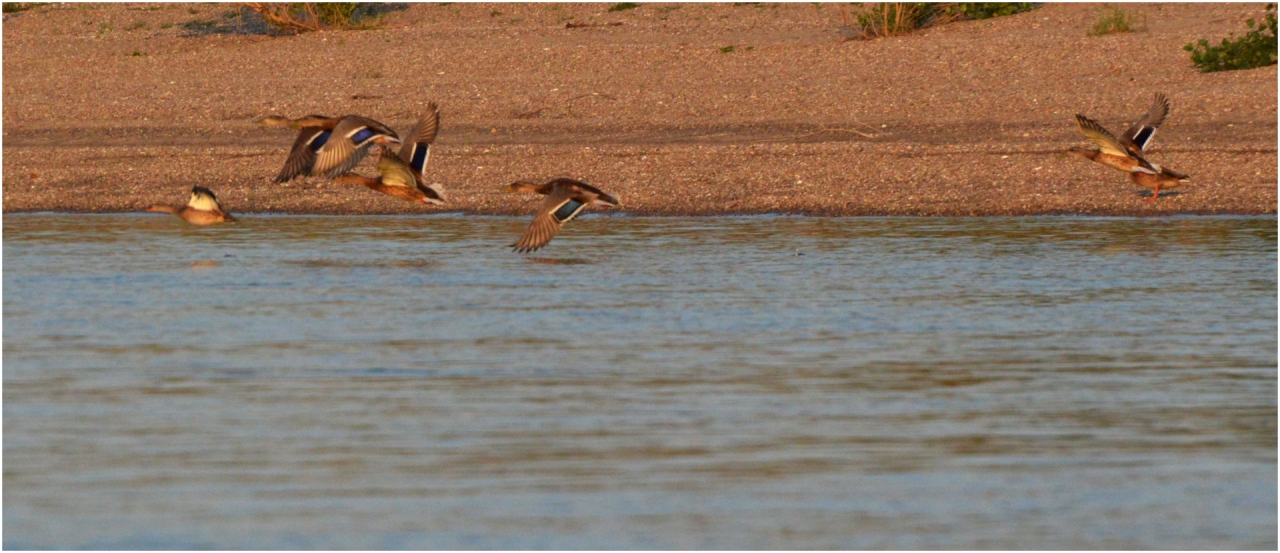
329,145
416,148
203,209
397,179
1126,152
566,198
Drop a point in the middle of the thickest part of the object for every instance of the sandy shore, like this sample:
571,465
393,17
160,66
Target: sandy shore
968,118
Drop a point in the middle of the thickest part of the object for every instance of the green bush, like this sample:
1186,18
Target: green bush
624,6
1255,49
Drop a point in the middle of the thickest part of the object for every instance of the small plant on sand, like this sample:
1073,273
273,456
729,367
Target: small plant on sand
200,25
622,6
302,17
136,25
987,10
14,7
727,49
890,18
897,18
1114,20
1256,48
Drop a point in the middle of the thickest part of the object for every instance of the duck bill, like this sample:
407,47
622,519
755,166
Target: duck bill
387,140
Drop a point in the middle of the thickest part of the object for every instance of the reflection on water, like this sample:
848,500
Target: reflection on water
556,261
408,382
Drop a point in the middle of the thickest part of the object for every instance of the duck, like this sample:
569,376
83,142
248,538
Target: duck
316,151
1126,152
566,198
1132,142
202,210
398,179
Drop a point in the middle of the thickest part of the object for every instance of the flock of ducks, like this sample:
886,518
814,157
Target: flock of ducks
333,146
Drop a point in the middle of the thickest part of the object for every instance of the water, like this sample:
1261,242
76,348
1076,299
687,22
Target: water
757,382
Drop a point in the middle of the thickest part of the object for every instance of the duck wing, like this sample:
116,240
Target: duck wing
395,172
1100,136
558,208
1138,135
303,155
349,143
417,147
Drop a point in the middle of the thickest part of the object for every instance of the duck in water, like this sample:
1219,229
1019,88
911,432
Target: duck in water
203,209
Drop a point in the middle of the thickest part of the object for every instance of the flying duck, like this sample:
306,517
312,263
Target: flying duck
566,198
1126,152
329,146
398,179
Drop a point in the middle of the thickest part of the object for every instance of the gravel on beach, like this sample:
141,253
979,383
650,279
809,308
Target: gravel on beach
681,109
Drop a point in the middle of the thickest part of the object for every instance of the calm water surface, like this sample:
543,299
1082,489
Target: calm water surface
759,382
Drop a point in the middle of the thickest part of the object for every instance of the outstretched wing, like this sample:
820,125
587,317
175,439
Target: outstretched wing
1100,136
417,147
303,155
1137,136
394,171
350,141
558,209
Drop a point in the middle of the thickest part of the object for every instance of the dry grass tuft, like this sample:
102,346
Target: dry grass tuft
301,17
1114,20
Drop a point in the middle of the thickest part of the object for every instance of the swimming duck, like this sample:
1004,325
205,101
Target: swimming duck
329,145
202,209
1125,153
398,179
565,199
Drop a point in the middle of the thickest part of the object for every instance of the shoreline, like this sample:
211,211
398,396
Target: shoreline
963,119
727,214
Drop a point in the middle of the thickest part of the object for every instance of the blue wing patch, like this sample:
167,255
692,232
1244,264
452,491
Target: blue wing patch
567,211
318,141
420,156
361,136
